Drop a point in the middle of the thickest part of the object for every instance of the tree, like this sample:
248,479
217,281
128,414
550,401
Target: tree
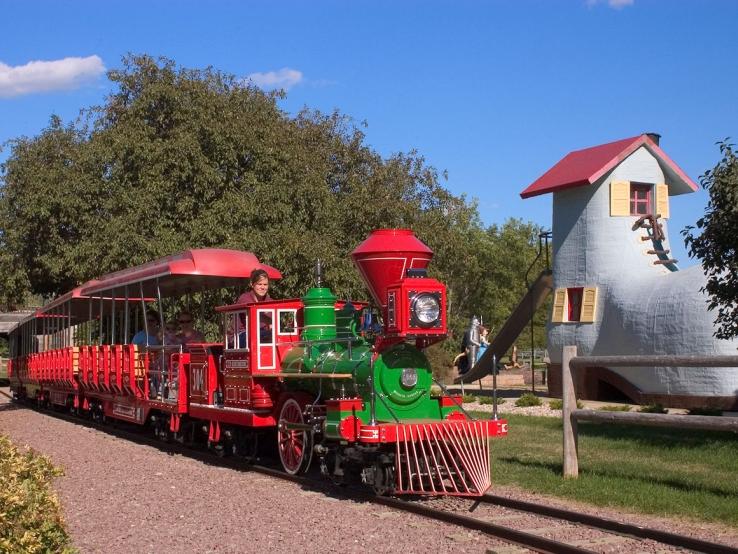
716,245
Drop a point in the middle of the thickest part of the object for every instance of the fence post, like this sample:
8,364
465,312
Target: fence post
569,398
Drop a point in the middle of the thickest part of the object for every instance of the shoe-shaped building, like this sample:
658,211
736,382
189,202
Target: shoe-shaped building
617,290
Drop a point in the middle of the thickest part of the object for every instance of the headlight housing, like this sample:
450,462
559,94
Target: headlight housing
425,309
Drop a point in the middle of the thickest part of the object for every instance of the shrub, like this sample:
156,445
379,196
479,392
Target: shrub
440,360
705,410
490,400
528,399
468,398
558,404
653,409
30,515
615,408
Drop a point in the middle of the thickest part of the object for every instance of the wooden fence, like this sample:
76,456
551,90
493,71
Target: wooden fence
571,414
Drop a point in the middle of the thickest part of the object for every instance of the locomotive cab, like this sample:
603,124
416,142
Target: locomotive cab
256,339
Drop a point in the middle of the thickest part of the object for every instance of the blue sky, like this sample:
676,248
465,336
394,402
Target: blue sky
493,92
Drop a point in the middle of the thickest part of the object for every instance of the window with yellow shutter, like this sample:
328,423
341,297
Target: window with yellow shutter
574,305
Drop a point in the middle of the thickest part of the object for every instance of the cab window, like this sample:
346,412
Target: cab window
266,327
287,322
236,327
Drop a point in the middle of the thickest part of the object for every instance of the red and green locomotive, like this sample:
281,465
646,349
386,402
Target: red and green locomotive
342,388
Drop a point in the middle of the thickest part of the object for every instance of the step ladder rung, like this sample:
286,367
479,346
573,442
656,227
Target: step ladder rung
658,252
666,262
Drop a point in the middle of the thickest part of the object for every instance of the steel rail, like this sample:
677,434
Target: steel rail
507,534
698,545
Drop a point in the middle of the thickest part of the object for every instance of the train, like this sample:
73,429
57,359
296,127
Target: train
342,384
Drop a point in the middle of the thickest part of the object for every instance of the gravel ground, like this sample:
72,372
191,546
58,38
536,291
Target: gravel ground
119,496
509,407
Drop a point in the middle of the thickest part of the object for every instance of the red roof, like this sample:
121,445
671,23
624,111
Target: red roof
190,270
584,167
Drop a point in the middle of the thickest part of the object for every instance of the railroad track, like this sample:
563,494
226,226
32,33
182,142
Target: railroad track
455,511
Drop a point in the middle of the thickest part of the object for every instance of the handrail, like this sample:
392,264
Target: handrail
528,285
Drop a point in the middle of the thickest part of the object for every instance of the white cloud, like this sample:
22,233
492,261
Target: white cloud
40,76
285,78
615,4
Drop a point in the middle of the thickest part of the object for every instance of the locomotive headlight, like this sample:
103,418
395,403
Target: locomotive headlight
426,309
409,377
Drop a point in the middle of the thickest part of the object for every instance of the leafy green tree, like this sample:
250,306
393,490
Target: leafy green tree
40,213
714,240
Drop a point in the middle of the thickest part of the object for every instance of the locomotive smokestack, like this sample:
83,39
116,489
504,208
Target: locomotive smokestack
384,258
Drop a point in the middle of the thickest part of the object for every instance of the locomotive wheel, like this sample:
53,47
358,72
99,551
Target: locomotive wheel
295,447
384,479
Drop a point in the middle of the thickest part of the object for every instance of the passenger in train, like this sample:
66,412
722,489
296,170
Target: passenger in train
259,292
152,325
188,334
141,339
171,335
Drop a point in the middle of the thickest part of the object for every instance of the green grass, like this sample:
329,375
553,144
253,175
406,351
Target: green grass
670,472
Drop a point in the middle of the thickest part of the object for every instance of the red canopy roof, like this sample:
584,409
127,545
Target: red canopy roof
188,271
584,167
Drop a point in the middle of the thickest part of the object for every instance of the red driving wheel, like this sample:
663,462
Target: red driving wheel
295,445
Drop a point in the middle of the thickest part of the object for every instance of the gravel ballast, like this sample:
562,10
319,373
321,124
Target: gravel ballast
119,496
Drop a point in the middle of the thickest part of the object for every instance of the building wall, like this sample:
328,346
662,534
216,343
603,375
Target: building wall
642,308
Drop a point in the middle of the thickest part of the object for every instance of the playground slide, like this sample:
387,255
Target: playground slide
537,293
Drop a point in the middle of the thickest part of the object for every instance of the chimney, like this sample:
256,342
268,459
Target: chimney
654,137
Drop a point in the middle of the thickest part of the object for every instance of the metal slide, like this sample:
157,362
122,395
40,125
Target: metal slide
537,293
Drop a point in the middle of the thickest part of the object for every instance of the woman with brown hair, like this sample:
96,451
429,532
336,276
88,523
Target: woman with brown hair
259,291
